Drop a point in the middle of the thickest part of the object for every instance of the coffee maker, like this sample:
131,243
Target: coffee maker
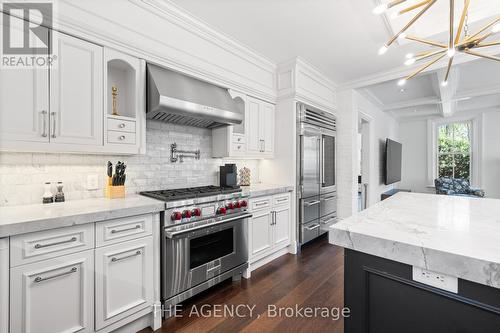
228,176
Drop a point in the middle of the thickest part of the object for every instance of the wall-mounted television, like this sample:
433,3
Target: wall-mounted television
393,160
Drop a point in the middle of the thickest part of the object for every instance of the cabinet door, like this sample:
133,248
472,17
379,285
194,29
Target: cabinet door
266,127
24,102
54,295
254,145
260,233
76,101
282,226
124,280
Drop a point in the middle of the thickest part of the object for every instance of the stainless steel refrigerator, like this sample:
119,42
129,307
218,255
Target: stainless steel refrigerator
317,186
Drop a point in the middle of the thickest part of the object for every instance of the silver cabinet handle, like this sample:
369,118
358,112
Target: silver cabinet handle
39,279
261,146
326,221
274,217
261,204
137,253
121,137
264,149
316,226
213,268
44,116
39,246
122,125
53,117
281,200
312,203
115,231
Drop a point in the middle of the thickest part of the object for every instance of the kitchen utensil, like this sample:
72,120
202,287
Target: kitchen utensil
110,173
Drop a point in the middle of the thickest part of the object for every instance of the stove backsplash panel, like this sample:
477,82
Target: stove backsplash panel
22,174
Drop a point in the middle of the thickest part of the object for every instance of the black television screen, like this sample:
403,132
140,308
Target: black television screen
393,158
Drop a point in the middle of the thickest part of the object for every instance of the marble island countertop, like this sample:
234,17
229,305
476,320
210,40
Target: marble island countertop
456,236
22,219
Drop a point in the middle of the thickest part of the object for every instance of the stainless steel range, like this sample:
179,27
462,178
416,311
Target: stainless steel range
204,239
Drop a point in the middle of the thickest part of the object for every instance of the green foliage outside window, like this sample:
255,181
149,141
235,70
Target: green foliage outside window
454,150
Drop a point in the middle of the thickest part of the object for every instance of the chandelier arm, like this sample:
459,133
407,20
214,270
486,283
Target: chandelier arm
452,21
426,41
462,21
471,38
411,8
448,69
420,70
429,55
479,40
395,3
429,5
488,44
482,55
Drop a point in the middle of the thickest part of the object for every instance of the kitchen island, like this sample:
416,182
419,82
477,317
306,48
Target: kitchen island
422,263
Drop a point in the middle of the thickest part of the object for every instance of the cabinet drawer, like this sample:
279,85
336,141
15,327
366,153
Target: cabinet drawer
239,147
121,125
281,199
119,230
43,245
121,137
238,138
261,203
310,231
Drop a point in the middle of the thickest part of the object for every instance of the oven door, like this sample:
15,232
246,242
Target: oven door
328,162
193,256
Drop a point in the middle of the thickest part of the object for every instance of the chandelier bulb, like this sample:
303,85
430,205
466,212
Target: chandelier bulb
402,36
496,28
409,55
410,61
401,82
450,52
383,50
380,9
444,83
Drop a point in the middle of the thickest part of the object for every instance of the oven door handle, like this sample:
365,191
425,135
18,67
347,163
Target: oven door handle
172,234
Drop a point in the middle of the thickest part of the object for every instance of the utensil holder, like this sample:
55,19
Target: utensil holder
115,192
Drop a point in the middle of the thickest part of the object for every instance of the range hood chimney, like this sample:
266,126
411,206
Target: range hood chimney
180,99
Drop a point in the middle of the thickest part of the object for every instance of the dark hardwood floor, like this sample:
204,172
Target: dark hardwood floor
313,279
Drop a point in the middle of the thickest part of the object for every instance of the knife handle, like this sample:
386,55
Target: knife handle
110,181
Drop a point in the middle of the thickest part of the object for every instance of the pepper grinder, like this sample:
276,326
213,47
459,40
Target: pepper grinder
47,197
59,195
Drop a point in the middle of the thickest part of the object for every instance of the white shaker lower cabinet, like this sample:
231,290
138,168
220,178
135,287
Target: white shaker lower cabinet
54,295
269,228
124,280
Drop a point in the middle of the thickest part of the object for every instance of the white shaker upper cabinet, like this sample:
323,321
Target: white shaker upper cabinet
76,101
24,105
254,143
267,128
260,128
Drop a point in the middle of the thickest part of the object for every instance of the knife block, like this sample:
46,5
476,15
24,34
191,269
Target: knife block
115,192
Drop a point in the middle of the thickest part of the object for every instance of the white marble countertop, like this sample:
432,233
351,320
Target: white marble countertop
262,189
457,236
22,219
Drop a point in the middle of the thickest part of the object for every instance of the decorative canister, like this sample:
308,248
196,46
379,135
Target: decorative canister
244,176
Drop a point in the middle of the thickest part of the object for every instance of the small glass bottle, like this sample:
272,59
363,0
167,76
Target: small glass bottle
59,197
48,197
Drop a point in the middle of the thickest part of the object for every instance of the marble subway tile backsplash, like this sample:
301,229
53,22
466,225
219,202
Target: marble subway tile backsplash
22,175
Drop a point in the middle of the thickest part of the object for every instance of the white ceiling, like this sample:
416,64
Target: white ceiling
342,37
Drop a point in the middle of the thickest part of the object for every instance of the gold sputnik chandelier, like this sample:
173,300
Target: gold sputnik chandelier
456,44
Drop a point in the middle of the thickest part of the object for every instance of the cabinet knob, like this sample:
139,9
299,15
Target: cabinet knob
122,125
121,137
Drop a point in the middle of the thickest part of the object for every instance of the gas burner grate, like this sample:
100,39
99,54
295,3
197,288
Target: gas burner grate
190,192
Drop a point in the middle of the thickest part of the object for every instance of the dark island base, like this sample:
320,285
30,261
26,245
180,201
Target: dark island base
383,298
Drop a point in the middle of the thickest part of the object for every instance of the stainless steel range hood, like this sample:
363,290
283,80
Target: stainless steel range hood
180,99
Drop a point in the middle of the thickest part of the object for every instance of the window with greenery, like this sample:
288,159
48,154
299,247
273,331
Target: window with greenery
454,150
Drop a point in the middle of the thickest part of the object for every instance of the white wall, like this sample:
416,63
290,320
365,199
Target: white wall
414,137
381,127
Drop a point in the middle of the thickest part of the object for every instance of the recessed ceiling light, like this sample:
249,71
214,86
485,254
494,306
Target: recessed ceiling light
402,90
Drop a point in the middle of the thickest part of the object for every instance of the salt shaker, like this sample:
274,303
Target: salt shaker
60,194
47,197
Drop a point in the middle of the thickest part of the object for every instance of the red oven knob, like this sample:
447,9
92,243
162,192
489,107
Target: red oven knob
176,216
221,211
230,206
186,214
196,212
243,203
237,204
